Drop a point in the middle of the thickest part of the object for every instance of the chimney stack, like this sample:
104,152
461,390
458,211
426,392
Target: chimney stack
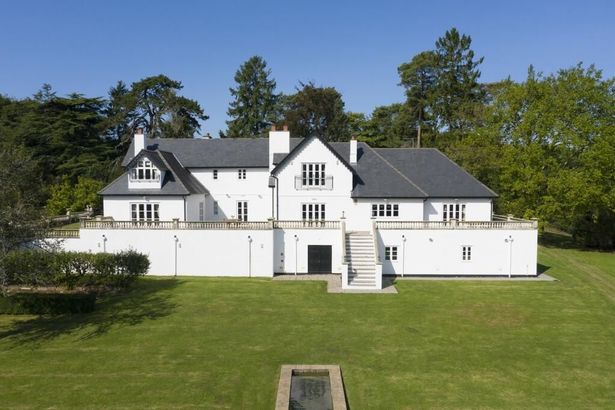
139,140
353,151
279,143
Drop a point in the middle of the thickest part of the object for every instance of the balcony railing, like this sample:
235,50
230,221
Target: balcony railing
475,225
222,225
60,233
318,184
306,224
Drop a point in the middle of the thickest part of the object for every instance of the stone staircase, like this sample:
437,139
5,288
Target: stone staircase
360,256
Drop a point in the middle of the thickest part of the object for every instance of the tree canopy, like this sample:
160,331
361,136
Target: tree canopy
255,104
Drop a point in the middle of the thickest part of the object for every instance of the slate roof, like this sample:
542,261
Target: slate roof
177,180
379,172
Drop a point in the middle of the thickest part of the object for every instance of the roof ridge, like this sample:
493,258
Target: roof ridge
397,170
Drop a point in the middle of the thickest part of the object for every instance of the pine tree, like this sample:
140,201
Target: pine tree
255,103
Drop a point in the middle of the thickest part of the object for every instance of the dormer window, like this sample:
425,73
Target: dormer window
144,171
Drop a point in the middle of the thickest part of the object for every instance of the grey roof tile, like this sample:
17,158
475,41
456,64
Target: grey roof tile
379,172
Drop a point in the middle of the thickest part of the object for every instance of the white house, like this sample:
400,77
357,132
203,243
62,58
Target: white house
282,205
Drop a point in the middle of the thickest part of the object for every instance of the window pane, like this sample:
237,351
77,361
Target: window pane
395,210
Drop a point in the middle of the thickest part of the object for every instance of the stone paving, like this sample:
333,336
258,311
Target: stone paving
334,283
540,278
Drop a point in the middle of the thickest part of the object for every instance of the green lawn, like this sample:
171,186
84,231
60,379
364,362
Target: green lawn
219,343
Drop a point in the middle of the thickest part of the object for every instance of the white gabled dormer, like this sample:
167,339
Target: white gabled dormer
146,170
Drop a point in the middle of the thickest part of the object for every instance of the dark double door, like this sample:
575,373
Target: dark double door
319,258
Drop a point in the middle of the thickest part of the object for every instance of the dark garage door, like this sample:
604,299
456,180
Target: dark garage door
319,258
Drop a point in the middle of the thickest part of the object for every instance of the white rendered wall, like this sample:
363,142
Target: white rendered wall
439,252
118,207
287,258
192,206
359,212
337,200
228,189
199,252
476,209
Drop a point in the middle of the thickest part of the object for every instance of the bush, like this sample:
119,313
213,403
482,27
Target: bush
72,269
29,268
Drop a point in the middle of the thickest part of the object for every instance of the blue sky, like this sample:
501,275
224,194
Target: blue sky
355,46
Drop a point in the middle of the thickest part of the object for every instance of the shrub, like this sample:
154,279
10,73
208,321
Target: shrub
29,268
71,269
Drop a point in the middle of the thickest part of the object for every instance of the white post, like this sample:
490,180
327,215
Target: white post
296,242
403,256
510,241
176,240
249,256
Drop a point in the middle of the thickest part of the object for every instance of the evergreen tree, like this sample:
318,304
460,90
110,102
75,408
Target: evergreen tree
161,111
255,103
317,110
457,95
418,77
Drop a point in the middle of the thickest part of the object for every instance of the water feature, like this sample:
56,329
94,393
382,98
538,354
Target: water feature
311,387
310,390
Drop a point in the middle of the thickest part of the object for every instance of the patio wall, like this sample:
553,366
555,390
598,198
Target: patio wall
200,252
439,251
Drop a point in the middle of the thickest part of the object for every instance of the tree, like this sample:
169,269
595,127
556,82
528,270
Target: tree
456,92
120,116
20,218
389,126
317,110
156,106
547,145
418,77
66,196
255,104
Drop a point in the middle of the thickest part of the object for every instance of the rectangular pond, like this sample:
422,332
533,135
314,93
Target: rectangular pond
311,387
310,390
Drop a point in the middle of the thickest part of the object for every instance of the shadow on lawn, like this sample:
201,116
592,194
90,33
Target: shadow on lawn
146,300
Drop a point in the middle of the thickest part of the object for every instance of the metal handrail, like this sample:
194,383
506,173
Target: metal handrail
327,186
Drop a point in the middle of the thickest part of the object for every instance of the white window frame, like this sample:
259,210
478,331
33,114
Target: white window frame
144,171
311,211
216,209
453,211
313,174
466,253
241,173
144,211
242,211
215,174
385,210
390,253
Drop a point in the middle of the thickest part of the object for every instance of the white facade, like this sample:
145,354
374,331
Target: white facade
298,214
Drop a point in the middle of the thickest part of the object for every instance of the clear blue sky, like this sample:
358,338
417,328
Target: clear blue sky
355,46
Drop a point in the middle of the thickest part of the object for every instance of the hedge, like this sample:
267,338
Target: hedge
38,268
